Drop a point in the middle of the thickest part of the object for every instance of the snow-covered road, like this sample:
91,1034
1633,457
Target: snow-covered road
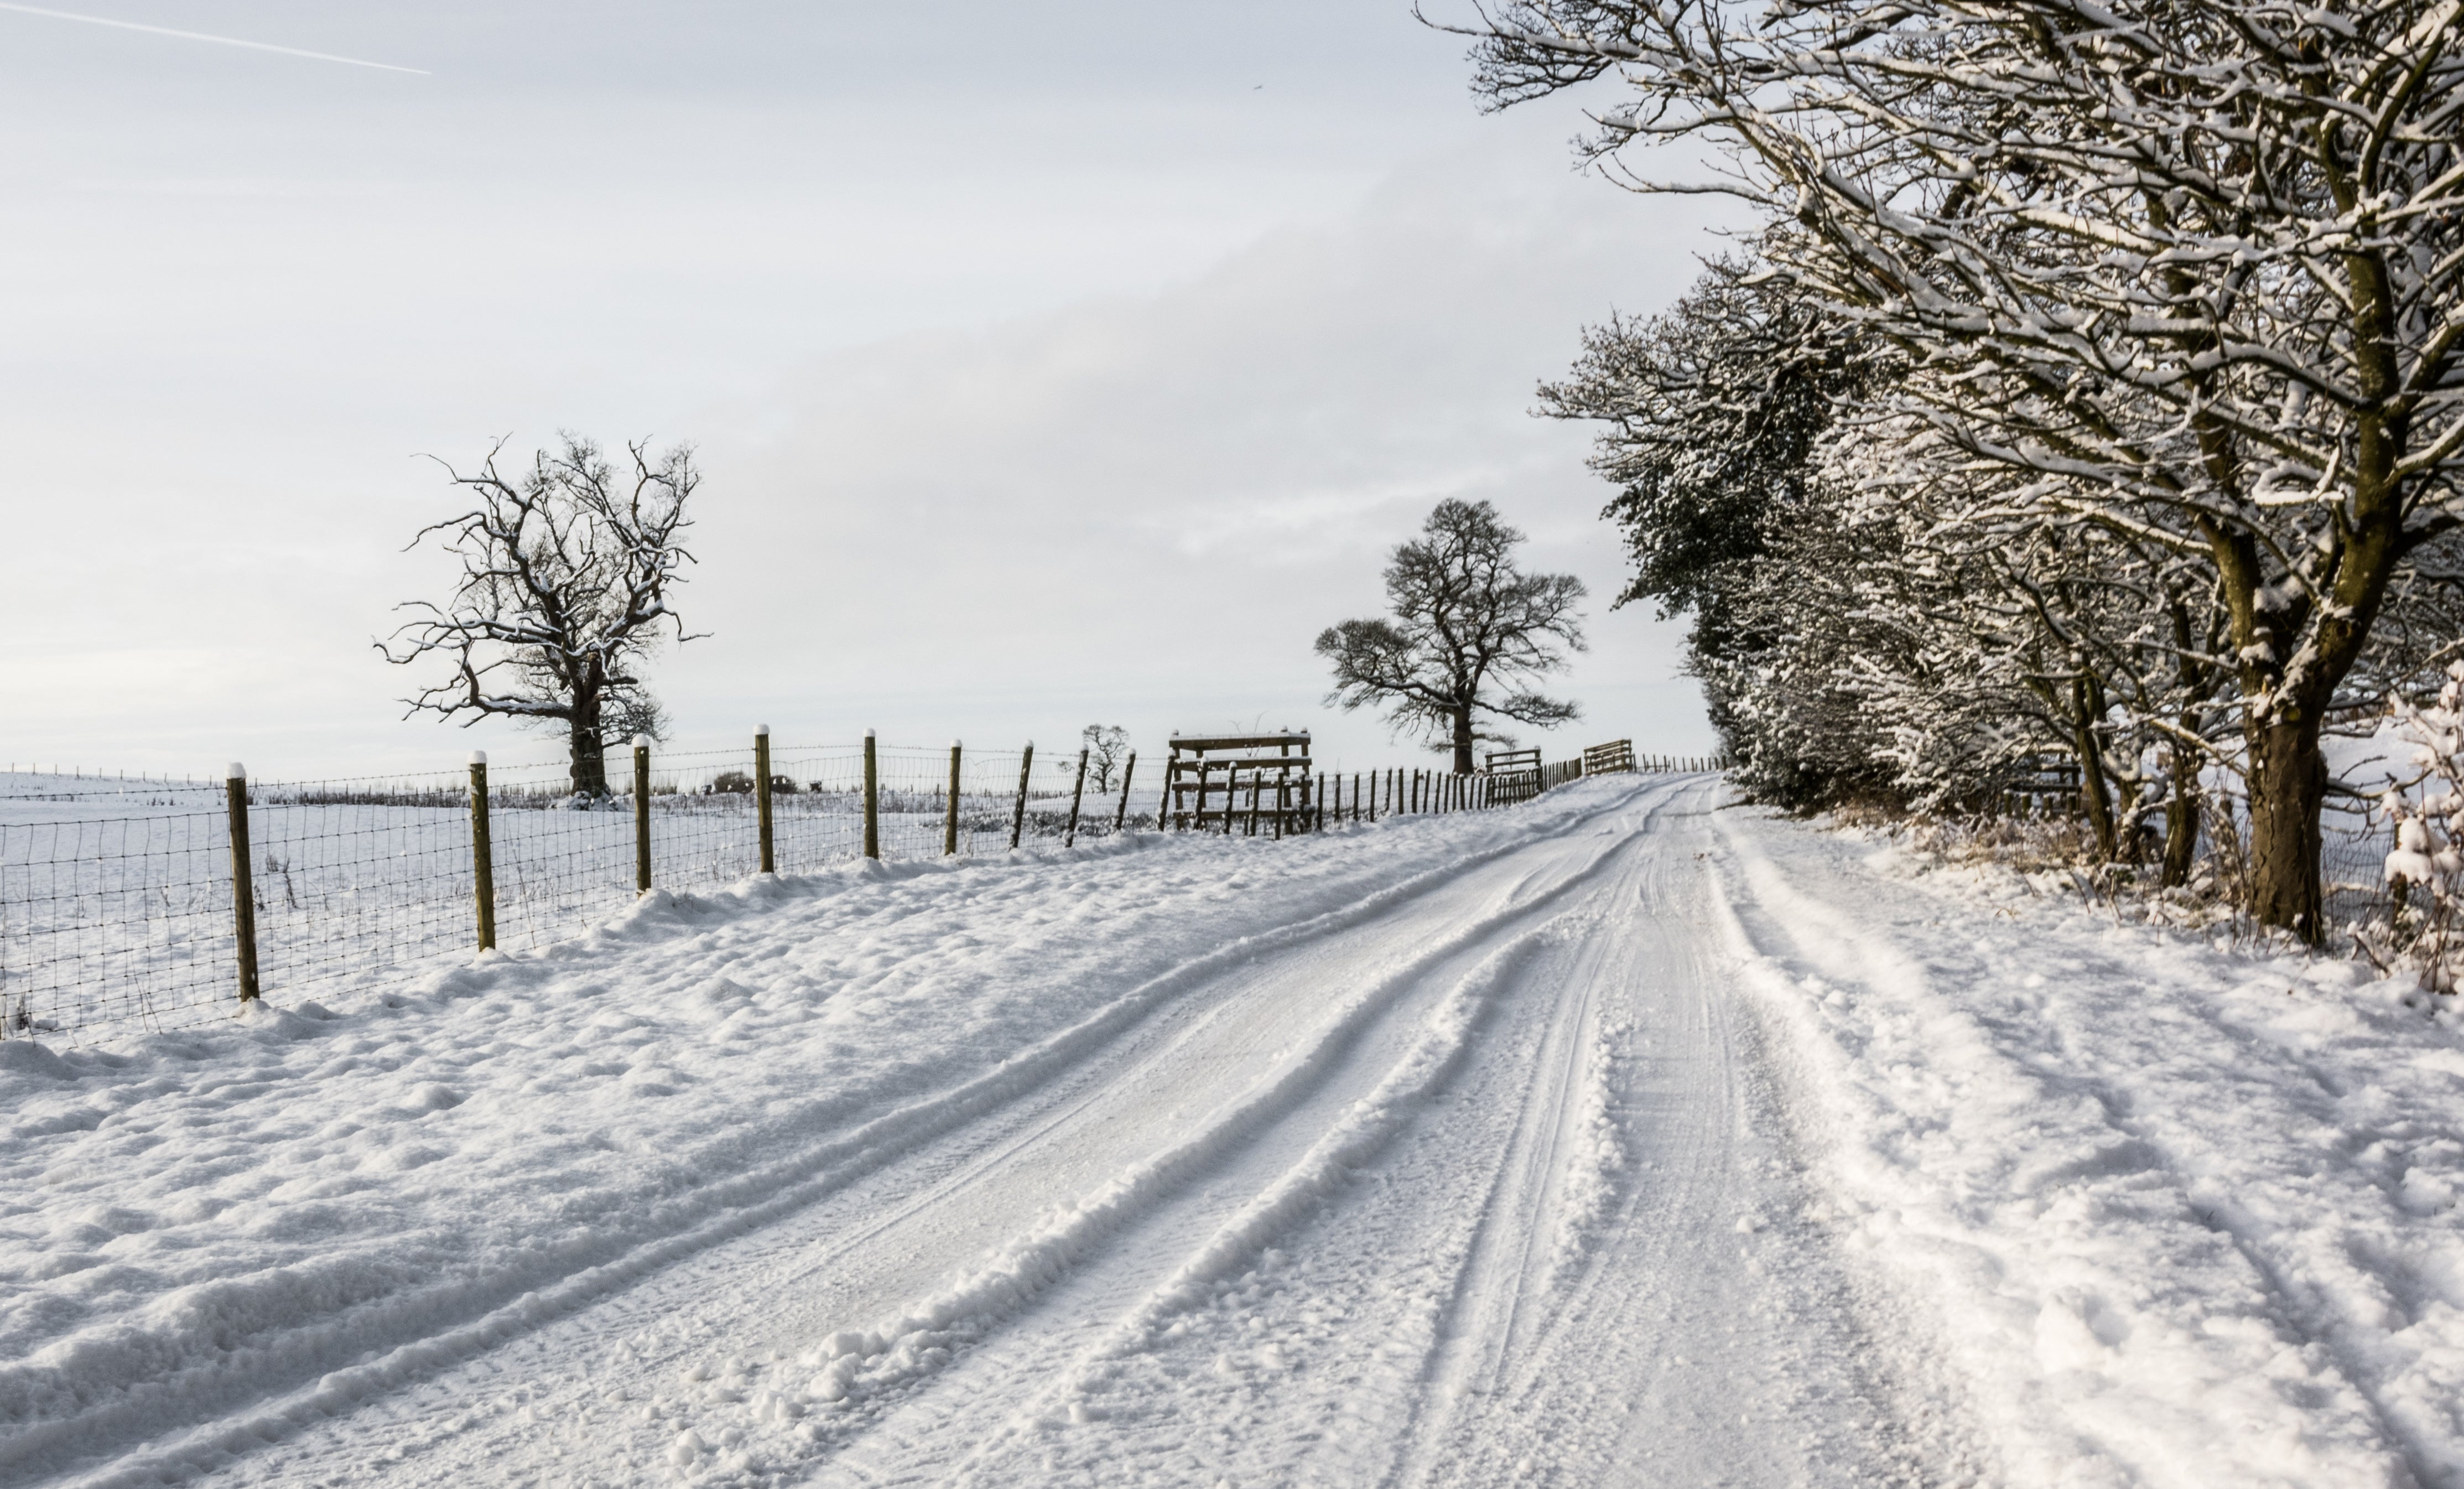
1612,1140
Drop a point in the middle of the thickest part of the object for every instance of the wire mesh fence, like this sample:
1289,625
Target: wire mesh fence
117,905
117,910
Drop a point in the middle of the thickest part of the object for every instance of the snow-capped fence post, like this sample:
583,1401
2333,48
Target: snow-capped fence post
1077,794
1121,816
243,883
1017,812
762,793
642,813
950,819
871,800
483,858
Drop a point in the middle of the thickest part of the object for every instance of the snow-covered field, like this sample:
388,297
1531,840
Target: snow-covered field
1622,1138
116,905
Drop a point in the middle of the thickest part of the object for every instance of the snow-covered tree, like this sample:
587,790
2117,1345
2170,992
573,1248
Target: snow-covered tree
1710,413
565,590
2429,853
1467,624
2191,268
1963,637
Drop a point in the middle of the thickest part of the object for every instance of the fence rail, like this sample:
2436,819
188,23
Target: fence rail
155,905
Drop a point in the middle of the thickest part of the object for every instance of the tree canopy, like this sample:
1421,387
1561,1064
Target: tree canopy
1466,625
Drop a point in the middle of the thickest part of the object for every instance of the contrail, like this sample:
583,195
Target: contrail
198,36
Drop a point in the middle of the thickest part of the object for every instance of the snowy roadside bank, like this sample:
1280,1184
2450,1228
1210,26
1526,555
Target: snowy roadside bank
332,1199
2178,1214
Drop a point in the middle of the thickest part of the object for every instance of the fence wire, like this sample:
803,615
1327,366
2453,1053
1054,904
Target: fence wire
116,904
117,907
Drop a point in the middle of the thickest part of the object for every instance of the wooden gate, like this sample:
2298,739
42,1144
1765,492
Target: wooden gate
1238,783
1608,759
1513,776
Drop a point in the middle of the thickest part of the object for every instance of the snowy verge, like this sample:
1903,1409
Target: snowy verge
2177,1214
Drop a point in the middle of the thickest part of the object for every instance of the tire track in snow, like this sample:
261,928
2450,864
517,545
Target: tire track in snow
892,1143
929,1336
916,1445
1362,1134
429,1333
1485,1317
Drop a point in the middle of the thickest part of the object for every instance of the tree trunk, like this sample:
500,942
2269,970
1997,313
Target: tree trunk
2095,796
589,757
1463,741
2288,784
2181,817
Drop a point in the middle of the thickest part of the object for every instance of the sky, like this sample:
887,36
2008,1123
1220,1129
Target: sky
1045,366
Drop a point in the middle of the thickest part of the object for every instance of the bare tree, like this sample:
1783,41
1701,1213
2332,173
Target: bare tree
1466,623
565,578
1106,746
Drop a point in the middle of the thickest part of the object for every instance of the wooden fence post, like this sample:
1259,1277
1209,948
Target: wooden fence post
950,822
243,883
483,858
762,793
1077,794
1122,815
1164,817
871,800
1018,813
642,813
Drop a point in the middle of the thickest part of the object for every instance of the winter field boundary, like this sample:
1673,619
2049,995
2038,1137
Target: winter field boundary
148,905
